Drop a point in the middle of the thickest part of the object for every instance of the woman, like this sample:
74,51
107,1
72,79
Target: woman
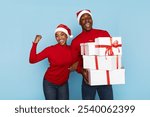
55,84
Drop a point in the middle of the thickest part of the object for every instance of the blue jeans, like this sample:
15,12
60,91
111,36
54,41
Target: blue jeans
105,92
55,92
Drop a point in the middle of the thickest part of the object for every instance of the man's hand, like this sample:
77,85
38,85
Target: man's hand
85,75
74,66
37,38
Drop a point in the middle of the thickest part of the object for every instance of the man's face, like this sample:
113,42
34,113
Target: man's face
86,22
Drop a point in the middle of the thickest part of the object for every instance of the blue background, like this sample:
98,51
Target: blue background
21,20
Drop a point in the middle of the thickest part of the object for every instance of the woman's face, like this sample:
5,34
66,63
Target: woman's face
61,37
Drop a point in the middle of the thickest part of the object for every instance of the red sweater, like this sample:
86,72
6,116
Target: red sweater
84,37
60,59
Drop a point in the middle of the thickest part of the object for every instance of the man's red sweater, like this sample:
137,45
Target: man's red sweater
84,37
60,59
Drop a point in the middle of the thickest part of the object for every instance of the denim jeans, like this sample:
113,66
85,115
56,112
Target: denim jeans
55,92
105,92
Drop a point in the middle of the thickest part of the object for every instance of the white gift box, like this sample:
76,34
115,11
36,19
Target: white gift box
87,48
102,62
106,77
107,45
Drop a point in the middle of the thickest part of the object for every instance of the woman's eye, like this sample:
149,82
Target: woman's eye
62,34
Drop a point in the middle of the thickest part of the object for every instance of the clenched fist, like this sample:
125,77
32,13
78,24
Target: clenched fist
37,38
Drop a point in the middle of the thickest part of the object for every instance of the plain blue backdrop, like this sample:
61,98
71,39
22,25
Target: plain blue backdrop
21,20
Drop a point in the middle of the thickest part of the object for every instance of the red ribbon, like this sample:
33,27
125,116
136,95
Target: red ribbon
108,77
109,50
96,62
116,44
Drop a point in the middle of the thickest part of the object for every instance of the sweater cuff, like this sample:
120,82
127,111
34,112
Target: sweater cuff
34,44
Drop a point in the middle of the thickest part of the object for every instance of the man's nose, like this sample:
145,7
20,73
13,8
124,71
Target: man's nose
87,20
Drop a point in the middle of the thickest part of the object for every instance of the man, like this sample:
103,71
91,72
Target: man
88,34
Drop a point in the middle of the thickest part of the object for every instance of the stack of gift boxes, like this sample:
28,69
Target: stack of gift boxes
102,59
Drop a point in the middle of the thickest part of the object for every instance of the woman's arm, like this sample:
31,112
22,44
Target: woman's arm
34,57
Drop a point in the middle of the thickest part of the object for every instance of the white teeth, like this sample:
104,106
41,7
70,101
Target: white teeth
61,40
87,24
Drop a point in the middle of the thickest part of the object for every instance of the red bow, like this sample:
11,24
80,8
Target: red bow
109,50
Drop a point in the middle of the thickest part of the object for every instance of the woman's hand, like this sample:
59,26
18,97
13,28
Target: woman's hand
37,38
73,67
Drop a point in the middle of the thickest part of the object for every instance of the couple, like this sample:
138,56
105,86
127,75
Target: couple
64,58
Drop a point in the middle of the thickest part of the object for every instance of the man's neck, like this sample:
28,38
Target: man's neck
83,30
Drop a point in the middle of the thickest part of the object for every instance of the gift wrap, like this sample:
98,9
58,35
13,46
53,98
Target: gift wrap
102,62
88,48
108,46
106,77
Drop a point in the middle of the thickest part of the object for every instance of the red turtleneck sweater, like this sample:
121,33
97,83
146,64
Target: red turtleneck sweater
60,59
84,37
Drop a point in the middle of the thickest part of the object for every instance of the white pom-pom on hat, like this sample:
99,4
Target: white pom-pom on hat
71,36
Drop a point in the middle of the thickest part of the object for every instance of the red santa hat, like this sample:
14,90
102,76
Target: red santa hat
65,29
81,12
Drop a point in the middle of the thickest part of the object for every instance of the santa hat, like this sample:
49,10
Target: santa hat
65,29
81,12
